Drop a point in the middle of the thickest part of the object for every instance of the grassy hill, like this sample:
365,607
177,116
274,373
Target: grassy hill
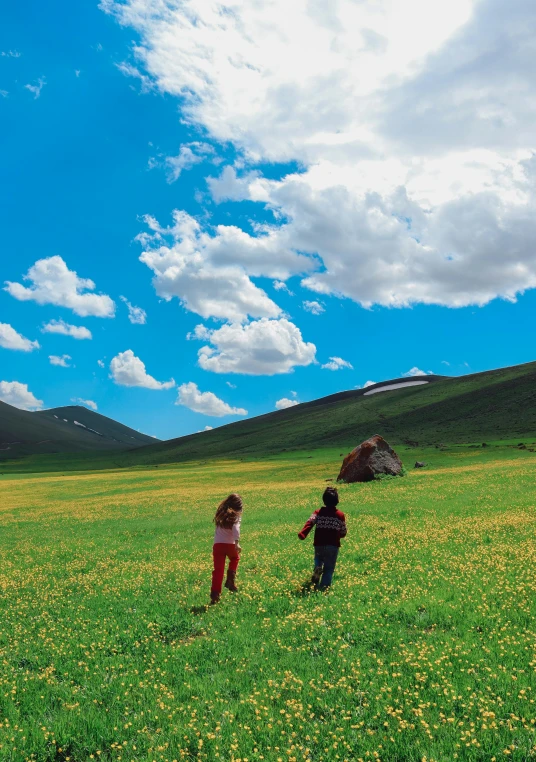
63,429
496,405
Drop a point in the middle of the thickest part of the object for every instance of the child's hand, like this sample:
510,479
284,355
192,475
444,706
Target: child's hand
238,549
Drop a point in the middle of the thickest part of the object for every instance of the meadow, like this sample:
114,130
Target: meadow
424,648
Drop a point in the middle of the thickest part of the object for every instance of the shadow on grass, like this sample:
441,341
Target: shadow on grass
306,589
196,610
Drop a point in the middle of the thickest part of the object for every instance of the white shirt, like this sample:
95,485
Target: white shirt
229,536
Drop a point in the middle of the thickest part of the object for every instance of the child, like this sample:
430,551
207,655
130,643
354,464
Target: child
226,537
330,528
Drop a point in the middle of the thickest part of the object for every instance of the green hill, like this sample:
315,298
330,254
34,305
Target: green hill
498,405
495,405
71,429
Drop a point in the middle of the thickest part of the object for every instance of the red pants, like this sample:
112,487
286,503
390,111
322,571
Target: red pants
221,551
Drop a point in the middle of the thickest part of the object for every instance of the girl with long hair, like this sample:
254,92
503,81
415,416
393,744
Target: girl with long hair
226,545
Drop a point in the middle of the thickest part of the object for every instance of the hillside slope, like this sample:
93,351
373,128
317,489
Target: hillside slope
63,429
499,404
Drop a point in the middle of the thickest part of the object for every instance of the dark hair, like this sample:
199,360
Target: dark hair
228,511
330,497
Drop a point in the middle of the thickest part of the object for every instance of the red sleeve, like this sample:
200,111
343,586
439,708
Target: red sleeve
309,524
342,518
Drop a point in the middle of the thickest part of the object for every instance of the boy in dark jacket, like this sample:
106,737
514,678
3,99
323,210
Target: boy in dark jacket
330,527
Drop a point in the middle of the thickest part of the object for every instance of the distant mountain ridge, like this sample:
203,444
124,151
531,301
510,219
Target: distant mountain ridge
493,405
64,429
481,407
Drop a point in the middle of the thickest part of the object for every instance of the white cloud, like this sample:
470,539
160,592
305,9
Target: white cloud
36,89
280,285
136,315
230,385
189,155
369,383
315,308
231,187
417,180
128,370
100,363
208,428
18,395
200,333
416,372
53,283
284,403
60,326
10,54
61,360
205,402
87,403
206,273
4,93
253,76
337,363
12,339
262,347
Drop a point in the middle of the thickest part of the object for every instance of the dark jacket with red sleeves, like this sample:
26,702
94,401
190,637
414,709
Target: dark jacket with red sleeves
330,526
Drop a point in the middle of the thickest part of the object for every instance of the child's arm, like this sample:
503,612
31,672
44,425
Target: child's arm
309,524
344,529
236,535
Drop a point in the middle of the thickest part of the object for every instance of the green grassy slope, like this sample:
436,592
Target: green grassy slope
52,431
499,404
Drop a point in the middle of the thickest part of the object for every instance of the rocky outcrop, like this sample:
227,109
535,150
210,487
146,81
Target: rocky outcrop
371,458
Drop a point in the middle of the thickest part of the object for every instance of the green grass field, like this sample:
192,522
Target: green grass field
424,649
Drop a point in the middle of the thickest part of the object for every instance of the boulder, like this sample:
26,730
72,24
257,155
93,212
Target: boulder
373,457
419,464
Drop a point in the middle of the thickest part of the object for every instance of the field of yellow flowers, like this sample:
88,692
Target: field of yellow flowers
424,648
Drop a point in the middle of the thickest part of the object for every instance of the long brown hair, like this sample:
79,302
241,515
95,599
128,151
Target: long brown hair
228,511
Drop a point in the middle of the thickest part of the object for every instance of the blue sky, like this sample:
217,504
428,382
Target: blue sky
419,252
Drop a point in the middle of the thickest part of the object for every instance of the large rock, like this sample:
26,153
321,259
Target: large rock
373,457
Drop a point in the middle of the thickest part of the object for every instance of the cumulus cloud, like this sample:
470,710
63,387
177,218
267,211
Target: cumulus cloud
61,360
18,395
205,402
417,179
262,347
128,370
86,403
136,315
337,363
315,308
53,283
369,383
12,339
416,372
207,273
280,285
189,155
65,329
100,363
284,403
200,333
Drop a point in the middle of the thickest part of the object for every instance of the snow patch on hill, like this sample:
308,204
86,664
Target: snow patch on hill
389,387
